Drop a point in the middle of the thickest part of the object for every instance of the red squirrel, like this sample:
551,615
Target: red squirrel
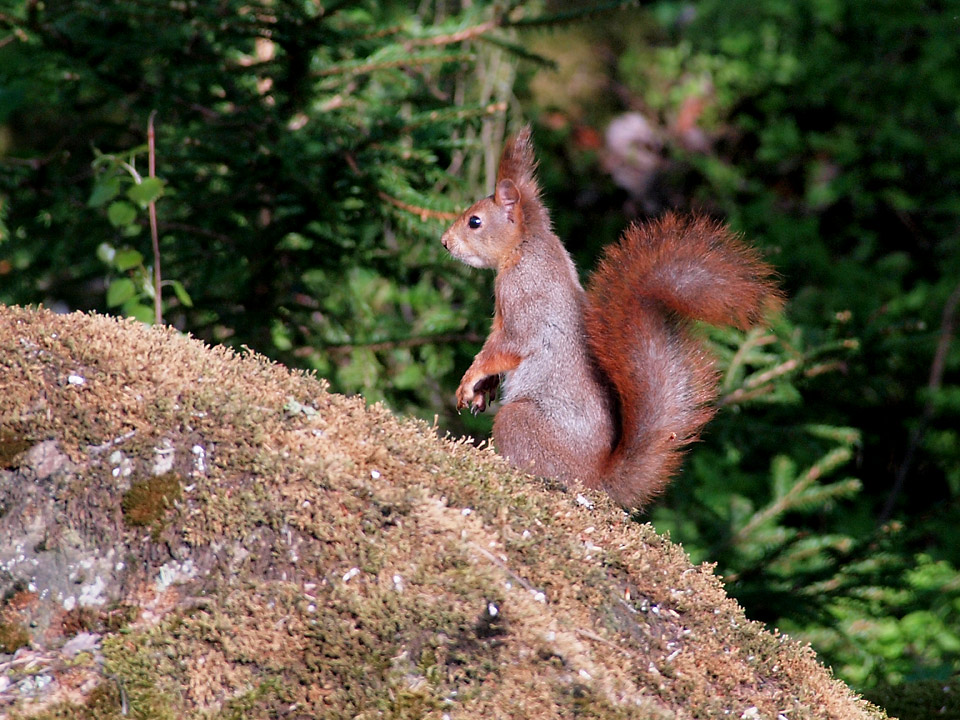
608,385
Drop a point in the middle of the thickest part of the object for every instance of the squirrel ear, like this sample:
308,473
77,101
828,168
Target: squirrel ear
517,172
507,196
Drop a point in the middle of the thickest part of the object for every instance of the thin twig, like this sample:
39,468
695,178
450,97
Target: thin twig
422,212
124,703
154,235
597,638
523,582
460,35
110,443
348,69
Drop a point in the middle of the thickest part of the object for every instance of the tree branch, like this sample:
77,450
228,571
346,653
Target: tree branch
459,36
422,212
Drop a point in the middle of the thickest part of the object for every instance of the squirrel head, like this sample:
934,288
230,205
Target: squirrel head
489,232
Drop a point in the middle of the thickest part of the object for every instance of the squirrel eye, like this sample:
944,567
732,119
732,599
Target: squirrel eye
474,222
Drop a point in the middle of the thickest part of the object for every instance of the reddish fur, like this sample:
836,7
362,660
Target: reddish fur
517,163
489,363
495,361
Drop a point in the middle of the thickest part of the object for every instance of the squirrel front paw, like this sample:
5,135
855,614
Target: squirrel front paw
465,394
476,392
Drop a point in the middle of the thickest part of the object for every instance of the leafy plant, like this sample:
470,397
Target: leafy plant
124,193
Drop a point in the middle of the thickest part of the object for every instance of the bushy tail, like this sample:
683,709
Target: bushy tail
642,298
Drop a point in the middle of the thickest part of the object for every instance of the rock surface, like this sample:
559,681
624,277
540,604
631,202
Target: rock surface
189,533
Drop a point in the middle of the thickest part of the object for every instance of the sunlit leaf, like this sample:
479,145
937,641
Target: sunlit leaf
146,191
120,291
121,213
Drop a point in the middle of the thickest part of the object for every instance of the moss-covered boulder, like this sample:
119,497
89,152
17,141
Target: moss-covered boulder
188,533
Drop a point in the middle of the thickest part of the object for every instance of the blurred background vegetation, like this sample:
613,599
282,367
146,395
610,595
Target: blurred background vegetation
309,152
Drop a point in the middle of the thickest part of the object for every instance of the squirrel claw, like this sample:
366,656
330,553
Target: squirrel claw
478,405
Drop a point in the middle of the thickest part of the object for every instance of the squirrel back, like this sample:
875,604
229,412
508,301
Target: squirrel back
642,299
604,386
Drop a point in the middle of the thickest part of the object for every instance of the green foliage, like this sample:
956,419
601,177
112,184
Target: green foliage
826,132
122,190
914,635
795,542
921,699
309,148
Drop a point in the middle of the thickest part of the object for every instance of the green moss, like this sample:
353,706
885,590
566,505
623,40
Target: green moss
105,702
11,446
253,703
118,617
12,637
142,674
145,503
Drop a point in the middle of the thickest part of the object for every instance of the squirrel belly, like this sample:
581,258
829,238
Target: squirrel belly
609,385
557,415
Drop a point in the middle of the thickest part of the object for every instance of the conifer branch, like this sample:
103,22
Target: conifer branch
756,338
824,465
422,212
455,114
760,384
518,50
382,32
455,37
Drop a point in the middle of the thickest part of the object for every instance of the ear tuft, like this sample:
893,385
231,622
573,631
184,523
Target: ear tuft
517,184
517,163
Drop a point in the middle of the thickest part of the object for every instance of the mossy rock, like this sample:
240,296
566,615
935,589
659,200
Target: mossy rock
297,554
